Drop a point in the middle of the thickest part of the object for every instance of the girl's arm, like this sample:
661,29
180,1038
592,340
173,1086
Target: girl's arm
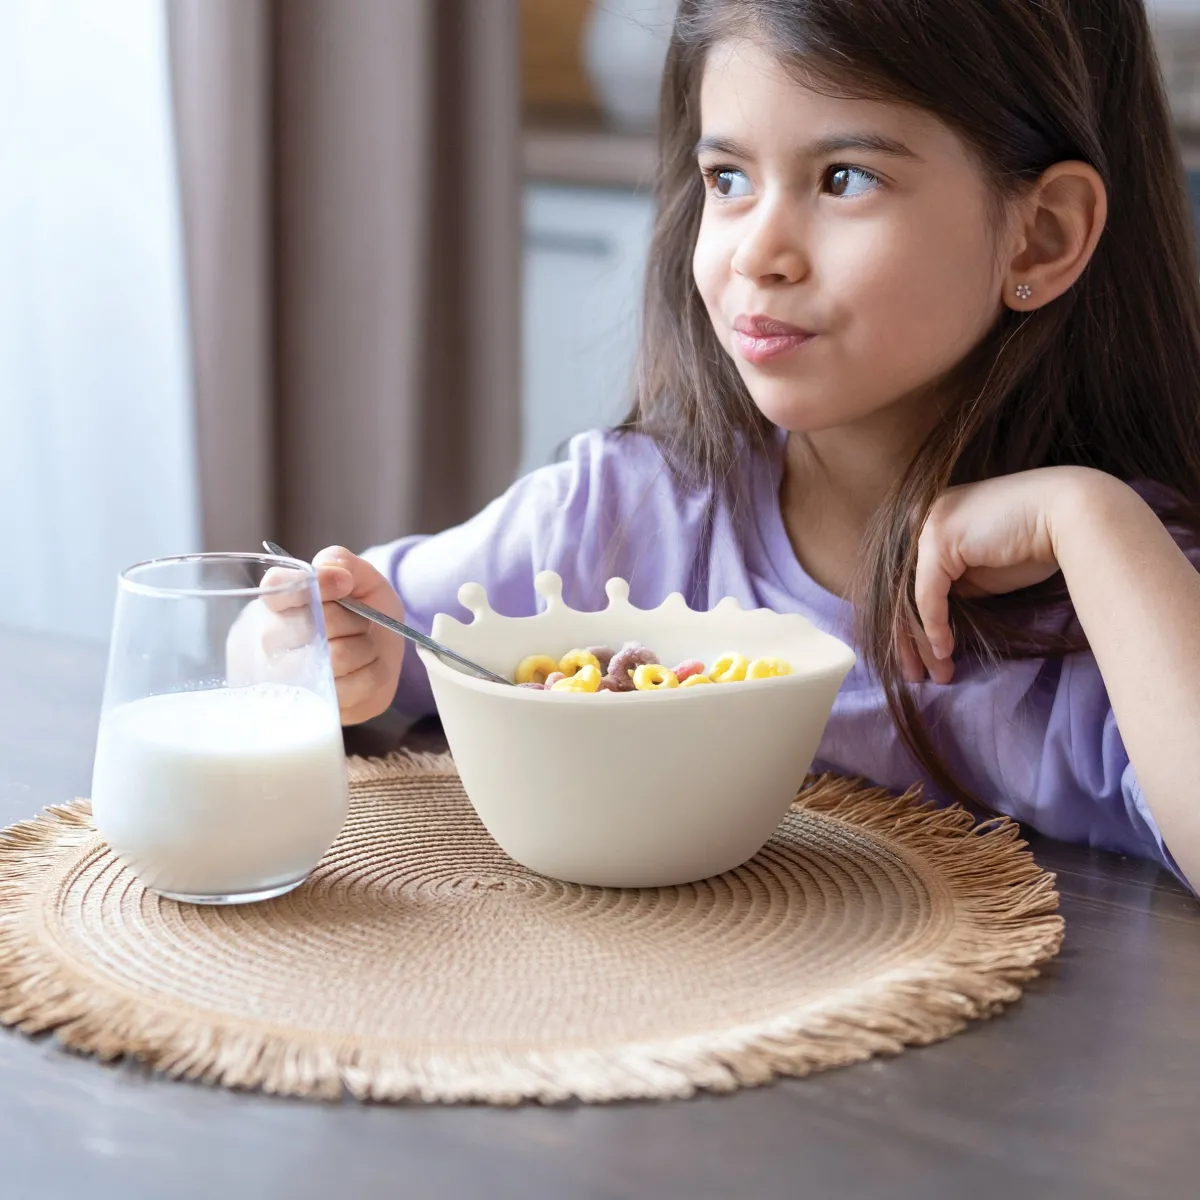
1136,595
1138,600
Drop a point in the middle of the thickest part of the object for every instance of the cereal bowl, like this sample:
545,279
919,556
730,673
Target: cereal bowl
639,789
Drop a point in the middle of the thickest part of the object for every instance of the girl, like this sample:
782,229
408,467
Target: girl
920,361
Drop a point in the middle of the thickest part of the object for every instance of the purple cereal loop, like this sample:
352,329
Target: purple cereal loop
611,684
552,679
688,668
604,655
536,687
627,660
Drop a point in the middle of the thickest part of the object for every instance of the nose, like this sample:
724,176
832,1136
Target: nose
771,248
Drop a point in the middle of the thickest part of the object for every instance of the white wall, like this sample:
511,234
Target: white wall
1173,8
96,440
585,255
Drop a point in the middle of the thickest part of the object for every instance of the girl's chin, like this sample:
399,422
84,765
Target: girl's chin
795,414
799,409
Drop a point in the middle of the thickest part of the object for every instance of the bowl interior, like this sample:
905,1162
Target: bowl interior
673,631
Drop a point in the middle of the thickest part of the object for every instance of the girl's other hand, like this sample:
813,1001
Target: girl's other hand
366,659
982,538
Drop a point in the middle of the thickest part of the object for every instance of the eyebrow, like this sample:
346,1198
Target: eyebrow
822,148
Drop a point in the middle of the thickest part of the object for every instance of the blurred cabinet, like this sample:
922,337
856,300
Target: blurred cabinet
585,254
554,81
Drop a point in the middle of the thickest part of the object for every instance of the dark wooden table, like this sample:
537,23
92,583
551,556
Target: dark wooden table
1086,1088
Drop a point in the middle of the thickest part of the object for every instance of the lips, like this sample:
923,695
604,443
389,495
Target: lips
759,338
767,327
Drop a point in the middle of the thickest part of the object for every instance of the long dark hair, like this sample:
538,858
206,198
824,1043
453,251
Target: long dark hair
1107,376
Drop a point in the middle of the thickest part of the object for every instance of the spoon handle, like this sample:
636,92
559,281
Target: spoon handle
406,631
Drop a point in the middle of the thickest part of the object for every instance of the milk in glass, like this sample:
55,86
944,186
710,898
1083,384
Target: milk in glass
221,792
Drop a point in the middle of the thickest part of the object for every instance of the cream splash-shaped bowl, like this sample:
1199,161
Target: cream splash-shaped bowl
642,789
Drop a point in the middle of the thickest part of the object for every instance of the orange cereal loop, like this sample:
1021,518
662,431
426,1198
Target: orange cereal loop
729,668
767,668
654,677
694,680
535,668
576,660
586,679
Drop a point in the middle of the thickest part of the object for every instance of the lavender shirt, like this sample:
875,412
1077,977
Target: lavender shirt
1036,740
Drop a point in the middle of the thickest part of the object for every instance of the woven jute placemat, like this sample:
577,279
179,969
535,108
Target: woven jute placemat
420,963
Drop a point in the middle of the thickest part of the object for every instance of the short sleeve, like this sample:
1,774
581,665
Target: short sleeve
611,507
1086,782
1065,769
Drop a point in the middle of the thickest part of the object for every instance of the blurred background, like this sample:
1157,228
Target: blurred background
318,270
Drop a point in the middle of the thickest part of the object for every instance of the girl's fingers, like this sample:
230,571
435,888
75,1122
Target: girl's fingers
918,662
366,664
358,693
912,669
363,581
941,670
350,654
335,583
292,595
290,629
932,584
341,622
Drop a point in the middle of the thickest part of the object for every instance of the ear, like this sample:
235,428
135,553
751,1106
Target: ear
1059,222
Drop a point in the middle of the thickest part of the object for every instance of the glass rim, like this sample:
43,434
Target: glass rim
125,578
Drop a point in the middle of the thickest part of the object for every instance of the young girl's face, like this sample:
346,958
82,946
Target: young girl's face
846,254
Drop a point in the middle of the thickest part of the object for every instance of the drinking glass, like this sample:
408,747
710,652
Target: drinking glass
220,774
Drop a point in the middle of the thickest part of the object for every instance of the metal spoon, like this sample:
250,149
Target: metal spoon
373,614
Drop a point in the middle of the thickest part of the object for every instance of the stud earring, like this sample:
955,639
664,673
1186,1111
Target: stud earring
1024,291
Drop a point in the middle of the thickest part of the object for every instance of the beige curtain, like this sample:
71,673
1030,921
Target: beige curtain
351,206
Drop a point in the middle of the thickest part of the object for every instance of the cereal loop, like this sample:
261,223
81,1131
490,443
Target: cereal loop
653,677
553,678
611,684
729,668
572,663
628,659
535,668
685,670
603,656
694,681
767,668
537,687
586,679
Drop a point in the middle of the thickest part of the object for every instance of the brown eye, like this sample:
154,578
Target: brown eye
728,183
839,181
849,181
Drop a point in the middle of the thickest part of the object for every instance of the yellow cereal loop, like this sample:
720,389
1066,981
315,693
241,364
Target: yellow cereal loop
654,677
729,668
535,668
576,660
586,679
695,681
767,668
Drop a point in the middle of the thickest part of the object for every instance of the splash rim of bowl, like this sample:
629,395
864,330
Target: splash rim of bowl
548,584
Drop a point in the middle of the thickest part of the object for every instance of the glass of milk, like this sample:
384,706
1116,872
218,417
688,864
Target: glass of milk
220,776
